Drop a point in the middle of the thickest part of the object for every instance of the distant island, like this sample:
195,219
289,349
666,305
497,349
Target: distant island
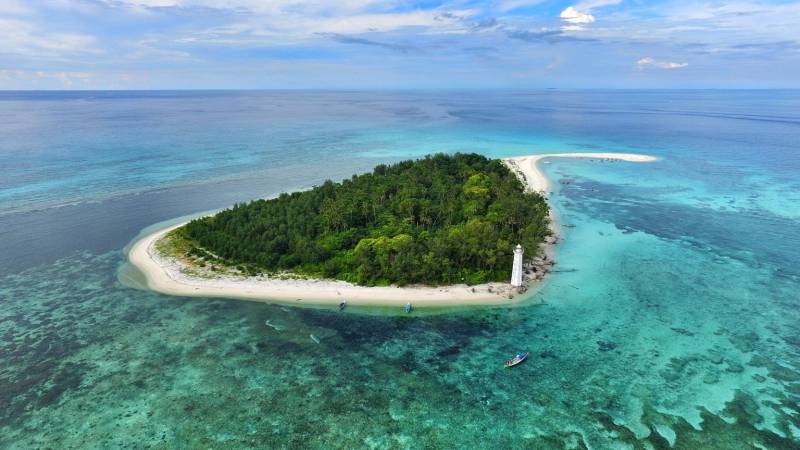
436,231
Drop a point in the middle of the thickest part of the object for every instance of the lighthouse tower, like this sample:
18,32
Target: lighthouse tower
516,271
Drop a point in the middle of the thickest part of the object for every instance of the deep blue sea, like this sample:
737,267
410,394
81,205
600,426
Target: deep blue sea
672,319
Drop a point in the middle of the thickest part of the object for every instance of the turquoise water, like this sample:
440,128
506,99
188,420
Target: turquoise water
671,321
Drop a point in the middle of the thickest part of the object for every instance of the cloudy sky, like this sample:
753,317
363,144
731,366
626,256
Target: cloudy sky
374,44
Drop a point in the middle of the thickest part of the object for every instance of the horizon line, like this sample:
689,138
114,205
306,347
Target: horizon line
440,89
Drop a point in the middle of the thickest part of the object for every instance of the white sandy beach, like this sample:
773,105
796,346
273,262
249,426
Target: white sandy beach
538,182
165,275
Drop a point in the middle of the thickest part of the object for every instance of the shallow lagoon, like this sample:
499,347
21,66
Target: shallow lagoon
671,321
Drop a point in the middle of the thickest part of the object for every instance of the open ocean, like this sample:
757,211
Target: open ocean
672,320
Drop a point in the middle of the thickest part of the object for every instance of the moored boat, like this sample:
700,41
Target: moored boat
342,305
517,359
408,307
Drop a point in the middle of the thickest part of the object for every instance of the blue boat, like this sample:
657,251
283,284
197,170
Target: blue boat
408,307
517,359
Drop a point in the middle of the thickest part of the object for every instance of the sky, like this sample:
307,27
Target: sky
392,44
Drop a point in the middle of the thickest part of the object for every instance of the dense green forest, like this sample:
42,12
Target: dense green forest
443,219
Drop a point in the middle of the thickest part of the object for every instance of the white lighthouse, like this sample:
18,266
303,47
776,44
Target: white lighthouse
516,271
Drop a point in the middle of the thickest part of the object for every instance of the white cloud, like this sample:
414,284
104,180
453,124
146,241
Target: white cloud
363,23
580,15
22,37
650,62
291,27
148,49
286,22
573,16
307,7
13,8
776,21
65,79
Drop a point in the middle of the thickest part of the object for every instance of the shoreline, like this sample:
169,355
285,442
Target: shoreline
165,275
537,181
528,169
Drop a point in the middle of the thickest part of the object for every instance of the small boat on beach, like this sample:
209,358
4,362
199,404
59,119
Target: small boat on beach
342,305
408,307
517,359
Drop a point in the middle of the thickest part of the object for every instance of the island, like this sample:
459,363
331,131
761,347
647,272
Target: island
437,231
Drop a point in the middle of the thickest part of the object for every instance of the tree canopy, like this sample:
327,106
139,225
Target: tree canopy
443,219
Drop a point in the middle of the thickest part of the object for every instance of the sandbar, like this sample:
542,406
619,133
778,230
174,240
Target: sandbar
537,181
